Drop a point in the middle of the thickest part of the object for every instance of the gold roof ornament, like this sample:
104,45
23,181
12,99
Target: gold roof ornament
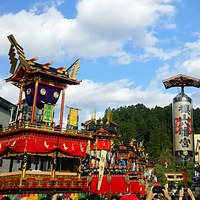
23,69
109,116
94,115
32,60
60,70
15,47
47,65
75,68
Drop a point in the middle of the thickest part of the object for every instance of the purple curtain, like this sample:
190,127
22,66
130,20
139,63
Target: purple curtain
46,94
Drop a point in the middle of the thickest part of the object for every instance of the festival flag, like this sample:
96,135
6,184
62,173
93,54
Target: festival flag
101,168
48,113
73,118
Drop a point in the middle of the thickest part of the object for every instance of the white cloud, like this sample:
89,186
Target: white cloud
100,29
125,58
119,17
93,96
90,96
193,48
9,91
191,67
187,62
195,98
43,6
161,74
114,94
164,55
189,59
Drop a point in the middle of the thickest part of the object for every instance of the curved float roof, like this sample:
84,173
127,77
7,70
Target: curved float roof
181,80
28,71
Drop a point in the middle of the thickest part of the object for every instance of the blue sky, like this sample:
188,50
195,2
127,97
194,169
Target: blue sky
126,47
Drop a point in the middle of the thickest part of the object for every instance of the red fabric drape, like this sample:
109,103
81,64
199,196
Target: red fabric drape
3,148
103,144
105,187
39,146
36,143
135,187
73,148
11,143
92,145
142,190
17,145
117,184
31,144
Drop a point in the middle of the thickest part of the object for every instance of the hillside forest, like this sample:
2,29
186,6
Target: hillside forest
153,126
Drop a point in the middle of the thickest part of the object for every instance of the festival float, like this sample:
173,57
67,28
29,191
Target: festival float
111,168
40,156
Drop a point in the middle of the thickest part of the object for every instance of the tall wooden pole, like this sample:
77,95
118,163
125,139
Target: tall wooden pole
19,103
62,107
20,97
34,102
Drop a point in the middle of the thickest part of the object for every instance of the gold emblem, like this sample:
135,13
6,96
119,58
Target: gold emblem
42,91
28,91
185,153
56,95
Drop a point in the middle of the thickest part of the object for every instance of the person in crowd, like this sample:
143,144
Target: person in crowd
129,197
57,197
164,194
5,198
187,191
94,196
114,197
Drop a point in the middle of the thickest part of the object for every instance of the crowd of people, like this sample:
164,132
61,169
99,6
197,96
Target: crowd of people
155,193
164,194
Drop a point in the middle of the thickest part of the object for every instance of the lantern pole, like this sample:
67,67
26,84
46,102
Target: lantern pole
183,136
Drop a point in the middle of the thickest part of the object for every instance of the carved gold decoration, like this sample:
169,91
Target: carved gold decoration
74,67
28,91
60,70
75,70
21,56
43,91
46,65
56,95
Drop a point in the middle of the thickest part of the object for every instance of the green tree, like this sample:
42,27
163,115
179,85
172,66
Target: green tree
154,127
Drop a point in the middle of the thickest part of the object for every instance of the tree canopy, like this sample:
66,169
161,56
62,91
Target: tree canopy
153,127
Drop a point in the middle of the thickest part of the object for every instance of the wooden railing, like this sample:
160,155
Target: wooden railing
28,125
42,181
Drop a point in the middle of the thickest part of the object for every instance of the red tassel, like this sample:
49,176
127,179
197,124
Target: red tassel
185,174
